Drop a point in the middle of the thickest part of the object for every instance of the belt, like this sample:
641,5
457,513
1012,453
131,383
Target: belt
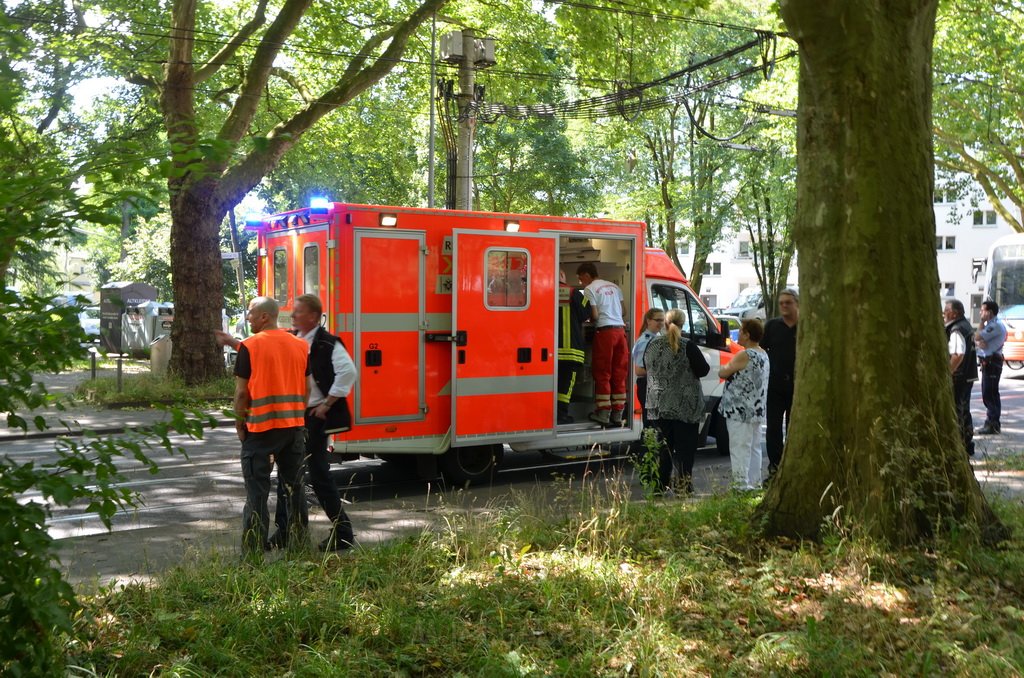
609,327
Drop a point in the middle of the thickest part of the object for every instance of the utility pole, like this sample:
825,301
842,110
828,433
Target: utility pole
463,48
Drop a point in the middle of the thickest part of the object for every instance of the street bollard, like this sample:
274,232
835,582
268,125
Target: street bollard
120,358
92,363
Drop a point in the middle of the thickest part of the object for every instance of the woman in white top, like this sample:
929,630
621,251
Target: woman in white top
743,404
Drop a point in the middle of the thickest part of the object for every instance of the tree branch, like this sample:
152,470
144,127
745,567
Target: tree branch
229,50
242,177
247,103
294,81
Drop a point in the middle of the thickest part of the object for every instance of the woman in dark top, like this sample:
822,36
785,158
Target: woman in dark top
675,399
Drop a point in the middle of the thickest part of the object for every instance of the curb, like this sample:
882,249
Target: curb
113,429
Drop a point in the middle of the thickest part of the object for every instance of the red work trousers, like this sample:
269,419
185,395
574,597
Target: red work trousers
610,367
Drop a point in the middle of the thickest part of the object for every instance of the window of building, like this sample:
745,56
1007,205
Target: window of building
311,270
684,247
947,289
713,268
984,217
710,300
507,283
945,242
744,250
281,277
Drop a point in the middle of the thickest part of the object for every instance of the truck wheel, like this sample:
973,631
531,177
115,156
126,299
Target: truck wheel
466,465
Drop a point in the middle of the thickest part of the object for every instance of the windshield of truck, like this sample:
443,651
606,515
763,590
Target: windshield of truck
1006,280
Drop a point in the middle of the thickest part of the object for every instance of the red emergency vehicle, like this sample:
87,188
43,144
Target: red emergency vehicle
451,319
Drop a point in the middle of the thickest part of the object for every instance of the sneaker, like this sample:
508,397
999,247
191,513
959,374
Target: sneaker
602,417
615,418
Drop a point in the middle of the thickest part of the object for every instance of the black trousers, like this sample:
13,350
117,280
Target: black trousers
326,491
679,449
285,444
778,410
991,371
962,399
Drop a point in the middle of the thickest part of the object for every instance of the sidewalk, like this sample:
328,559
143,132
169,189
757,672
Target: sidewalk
80,417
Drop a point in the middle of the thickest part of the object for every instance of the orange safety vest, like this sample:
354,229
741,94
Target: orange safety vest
277,386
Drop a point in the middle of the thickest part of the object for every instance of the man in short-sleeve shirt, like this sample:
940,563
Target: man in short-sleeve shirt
609,361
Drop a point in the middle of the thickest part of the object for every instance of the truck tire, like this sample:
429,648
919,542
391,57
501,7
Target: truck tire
468,465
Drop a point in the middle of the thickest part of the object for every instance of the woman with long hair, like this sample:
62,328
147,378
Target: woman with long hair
743,405
675,398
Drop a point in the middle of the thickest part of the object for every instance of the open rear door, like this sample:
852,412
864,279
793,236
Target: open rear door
505,358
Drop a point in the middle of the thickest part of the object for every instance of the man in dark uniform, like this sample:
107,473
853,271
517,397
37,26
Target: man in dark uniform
780,343
571,315
963,365
334,373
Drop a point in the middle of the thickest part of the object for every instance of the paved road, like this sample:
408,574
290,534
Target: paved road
194,502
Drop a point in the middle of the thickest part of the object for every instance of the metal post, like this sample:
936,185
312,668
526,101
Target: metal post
433,103
467,123
120,357
92,363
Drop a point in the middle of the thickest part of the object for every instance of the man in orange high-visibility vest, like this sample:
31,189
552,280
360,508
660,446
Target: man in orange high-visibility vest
270,405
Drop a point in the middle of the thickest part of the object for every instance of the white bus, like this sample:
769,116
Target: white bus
1004,284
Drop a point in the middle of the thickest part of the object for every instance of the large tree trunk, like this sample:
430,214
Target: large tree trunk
198,283
873,440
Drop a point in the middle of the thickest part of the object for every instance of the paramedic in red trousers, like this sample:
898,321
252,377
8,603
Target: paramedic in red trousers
334,373
609,362
270,401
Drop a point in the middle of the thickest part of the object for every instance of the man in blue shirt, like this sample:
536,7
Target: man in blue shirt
990,337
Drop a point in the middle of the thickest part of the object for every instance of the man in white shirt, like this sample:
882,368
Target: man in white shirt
609,362
333,375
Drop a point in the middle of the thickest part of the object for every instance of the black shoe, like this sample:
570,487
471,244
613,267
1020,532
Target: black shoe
277,540
987,430
565,419
332,543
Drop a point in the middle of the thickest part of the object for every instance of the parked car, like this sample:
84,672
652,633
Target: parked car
748,304
89,318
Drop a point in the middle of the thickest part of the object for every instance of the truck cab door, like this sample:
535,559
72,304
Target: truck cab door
503,320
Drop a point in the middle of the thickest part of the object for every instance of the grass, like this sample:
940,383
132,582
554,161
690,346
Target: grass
577,582
144,389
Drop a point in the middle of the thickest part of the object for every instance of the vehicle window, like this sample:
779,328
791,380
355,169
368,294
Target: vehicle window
281,277
507,283
696,323
311,270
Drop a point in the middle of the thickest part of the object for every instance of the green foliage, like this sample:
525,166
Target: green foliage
576,581
147,389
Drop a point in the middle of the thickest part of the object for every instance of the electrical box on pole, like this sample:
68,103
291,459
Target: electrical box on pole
470,53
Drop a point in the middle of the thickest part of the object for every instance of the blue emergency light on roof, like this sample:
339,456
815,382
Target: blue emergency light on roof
319,205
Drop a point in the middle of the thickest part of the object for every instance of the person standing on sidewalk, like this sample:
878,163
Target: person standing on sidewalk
743,404
609,362
963,366
654,323
675,398
327,413
780,344
270,398
990,337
